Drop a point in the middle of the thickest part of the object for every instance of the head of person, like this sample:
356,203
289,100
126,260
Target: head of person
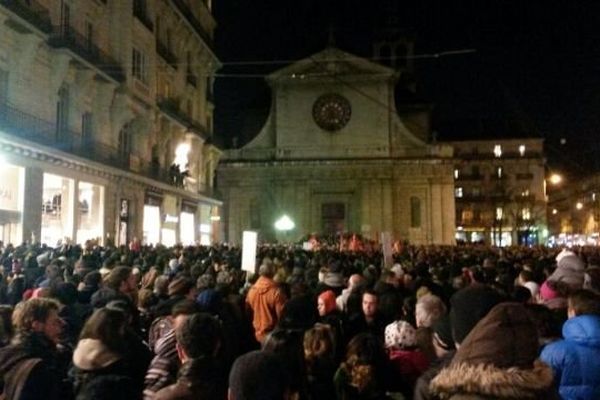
198,336
468,306
182,310
122,280
428,310
326,303
39,315
182,286
319,343
108,325
582,302
365,360
267,269
370,302
259,375
355,280
400,335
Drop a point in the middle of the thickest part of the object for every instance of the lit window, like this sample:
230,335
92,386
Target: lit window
458,192
526,214
498,150
499,213
456,173
499,172
554,211
522,150
181,156
593,196
525,193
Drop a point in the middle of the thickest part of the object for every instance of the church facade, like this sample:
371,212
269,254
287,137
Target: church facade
335,156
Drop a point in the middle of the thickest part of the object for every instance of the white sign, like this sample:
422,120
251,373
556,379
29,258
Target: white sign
249,240
386,245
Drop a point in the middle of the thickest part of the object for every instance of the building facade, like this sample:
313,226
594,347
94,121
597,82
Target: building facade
335,156
106,121
500,191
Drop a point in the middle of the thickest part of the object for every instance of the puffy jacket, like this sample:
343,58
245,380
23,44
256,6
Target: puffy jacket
576,359
266,302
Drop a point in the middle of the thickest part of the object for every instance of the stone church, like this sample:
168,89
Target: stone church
336,156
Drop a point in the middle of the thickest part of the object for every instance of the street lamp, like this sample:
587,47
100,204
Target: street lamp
579,205
555,179
284,224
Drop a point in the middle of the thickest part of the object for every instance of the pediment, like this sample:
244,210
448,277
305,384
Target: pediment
332,63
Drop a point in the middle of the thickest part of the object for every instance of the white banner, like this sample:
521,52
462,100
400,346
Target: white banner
249,240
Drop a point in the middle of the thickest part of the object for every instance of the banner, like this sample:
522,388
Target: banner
249,241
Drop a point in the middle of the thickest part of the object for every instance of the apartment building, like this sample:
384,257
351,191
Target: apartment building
106,121
499,191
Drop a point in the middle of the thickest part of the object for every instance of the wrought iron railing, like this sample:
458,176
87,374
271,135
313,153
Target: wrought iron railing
171,108
64,36
24,125
31,11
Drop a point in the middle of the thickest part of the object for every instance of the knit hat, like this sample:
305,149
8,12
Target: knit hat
400,334
547,292
328,298
569,269
468,306
180,286
258,375
209,301
333,279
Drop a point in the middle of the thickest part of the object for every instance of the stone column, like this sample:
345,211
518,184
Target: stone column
32,203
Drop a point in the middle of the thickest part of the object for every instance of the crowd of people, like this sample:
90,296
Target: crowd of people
440,322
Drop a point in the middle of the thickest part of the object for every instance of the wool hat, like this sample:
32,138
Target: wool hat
258,375
547,292
209,301
570,269
468,306
400,334
328,297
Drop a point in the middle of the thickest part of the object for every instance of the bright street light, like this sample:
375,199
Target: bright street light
285,224
579,205
555,179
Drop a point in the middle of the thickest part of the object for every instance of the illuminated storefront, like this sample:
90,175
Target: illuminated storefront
171,219
57,209
11,203
187,223
151,224
90,219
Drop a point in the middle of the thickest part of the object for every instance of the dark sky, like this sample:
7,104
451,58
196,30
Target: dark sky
536,62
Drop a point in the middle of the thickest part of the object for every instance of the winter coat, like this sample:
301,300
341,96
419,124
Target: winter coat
407,365
497,360
163,368
100,373
576,359
265,301
198,379
29,369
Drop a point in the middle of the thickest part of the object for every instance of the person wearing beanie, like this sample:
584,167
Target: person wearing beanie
570,270
468,306
497,360
258,375
405,357
576,359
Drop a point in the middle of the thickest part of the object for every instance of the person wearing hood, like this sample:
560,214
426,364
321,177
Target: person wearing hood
101,369
497,360
576,359
265,302
29,366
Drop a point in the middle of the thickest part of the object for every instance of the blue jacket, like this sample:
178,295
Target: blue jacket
576,359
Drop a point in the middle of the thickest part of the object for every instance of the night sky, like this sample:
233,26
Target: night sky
535,70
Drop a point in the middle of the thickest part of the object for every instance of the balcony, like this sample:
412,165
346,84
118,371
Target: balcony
83,47
524,176
20,124
469,177
141,15
193,21
170,107
191,79
30,11
166,54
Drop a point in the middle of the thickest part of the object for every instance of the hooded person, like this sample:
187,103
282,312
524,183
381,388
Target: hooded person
570,270
497,359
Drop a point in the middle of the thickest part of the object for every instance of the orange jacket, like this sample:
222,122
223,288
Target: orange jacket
265,301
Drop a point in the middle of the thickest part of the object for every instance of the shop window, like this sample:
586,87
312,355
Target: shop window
139,66
415,212
11,203
186,229
57,209
90,209
151,224
458,192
